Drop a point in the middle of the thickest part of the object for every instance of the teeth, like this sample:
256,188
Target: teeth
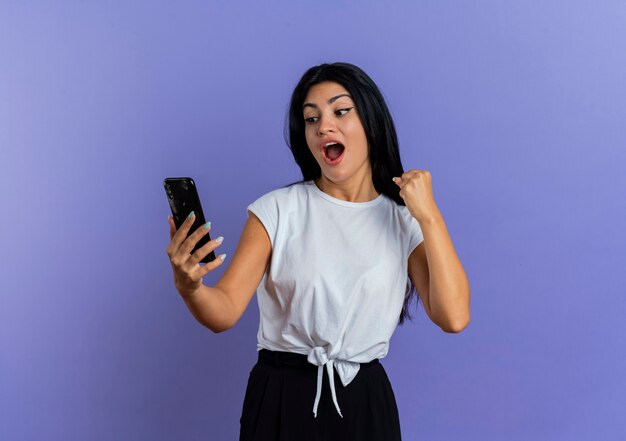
330,143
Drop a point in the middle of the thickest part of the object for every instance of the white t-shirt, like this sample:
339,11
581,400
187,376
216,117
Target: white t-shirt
337,278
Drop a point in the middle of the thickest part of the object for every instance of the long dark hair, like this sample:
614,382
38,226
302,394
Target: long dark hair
379,129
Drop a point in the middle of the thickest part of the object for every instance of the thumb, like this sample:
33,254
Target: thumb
170,221
397,180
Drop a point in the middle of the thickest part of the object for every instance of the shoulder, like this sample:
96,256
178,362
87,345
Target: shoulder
405,218
284,193
402,212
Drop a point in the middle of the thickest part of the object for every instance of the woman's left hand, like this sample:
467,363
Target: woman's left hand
416,190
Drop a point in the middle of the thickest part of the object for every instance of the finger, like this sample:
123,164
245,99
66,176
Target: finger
175,243
397,180
170,246
204,250
190,243
181,233
212,265
172,225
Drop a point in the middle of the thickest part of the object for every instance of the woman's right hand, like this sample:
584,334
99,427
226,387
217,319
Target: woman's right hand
187,272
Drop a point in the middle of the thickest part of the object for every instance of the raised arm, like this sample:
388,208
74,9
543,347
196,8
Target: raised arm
439,278
434,266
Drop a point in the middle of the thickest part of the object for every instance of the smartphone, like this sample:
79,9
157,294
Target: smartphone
183,199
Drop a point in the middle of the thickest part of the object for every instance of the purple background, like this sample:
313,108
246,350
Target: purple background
516,108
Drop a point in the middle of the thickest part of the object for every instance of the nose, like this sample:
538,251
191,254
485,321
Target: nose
326,125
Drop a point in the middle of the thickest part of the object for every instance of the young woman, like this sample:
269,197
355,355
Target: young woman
335,260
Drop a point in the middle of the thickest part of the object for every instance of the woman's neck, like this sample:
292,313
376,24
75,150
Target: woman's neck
354,189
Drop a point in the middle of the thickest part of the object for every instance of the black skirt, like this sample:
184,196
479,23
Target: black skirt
278,405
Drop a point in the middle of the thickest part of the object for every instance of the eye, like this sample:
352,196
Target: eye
338,112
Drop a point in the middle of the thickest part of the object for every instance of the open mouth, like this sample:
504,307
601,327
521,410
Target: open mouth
333,151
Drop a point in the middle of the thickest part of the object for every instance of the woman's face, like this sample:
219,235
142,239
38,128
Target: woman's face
330,116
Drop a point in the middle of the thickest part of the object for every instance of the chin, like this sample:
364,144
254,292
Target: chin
337,178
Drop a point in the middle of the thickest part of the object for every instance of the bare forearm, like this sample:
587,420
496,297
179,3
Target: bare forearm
449,293
211,307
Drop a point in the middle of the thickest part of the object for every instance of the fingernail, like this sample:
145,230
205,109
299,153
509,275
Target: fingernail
207,225
222,256
219,239
169,217
190,215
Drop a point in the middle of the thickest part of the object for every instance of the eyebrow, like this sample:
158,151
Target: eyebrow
330,101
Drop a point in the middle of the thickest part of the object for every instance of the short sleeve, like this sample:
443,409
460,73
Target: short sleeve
411,230
266,209
415,234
